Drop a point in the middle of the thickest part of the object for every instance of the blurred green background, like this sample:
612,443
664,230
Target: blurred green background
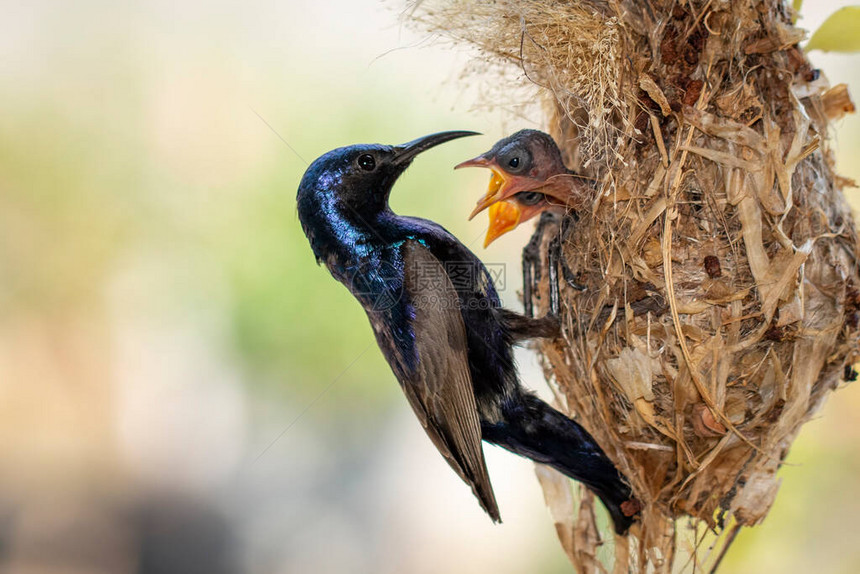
182,389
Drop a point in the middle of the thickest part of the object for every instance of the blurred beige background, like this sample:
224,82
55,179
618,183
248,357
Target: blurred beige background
181,388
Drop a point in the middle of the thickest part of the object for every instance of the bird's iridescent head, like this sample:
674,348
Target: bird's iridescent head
524,161
357,179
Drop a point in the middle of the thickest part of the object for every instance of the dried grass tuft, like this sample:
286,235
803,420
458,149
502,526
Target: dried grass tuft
720,257
569,50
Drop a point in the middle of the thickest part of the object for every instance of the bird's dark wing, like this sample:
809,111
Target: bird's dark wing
439,388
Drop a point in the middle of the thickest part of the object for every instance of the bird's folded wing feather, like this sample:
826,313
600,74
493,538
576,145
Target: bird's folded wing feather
440,387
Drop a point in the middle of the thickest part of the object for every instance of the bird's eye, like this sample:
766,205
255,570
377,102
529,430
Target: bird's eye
514,162
366,162
530,197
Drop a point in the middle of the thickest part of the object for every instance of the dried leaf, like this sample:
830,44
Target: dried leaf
705,424
837,102
632,371
723,128
781,276
751,504
562,507
653,90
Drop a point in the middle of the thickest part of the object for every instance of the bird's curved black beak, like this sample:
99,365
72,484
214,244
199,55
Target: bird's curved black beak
405,153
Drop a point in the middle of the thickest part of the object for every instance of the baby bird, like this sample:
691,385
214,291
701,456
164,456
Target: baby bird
529,160
529,178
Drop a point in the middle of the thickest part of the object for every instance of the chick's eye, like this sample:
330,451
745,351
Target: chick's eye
514,162
530,197
366,162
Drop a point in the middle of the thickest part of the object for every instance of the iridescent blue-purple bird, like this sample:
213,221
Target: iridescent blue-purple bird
438,320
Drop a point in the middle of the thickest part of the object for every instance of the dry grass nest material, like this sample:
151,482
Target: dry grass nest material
720,255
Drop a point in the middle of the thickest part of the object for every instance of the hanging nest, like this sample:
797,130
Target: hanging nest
720,256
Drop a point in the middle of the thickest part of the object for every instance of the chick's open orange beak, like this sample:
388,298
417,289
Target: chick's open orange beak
504,216
498,182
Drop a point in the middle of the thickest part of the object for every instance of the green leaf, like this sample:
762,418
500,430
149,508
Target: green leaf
839,33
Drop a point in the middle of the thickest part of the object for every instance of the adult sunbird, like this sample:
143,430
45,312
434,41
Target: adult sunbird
438,321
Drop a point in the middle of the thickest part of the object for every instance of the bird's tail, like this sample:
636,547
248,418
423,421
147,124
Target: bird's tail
533,429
